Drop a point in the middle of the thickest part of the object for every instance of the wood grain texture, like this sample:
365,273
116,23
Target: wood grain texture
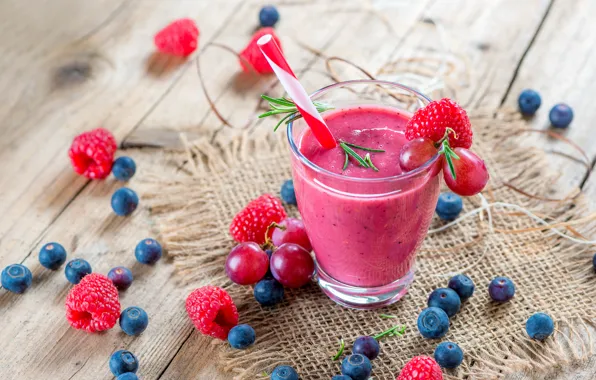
73,68
69,66
560,66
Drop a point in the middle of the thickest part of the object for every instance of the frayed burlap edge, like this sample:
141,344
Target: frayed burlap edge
195,243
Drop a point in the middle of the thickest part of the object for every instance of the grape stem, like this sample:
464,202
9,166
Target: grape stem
268,244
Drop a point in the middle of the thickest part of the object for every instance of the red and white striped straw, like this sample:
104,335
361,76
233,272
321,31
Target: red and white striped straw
290,83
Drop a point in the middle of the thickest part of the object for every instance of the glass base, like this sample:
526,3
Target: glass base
363,298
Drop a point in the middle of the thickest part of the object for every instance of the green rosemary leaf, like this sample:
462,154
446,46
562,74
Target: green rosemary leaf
352,153
282,121
347,161
370,163
364,148
280,101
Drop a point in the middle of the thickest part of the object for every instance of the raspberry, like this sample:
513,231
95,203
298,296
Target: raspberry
179,38
212,311
92,153
252,54
93,304
421,368
251,223
432,121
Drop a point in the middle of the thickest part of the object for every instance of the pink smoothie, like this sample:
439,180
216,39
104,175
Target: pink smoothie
364,233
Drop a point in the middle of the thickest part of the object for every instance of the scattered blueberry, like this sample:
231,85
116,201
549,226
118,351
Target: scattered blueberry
121,277
133,320
449,355
76,269
446,299
341,377
433,323
501,289
367,346
16,278
284,372
463,286
123,361
241,337
269,292
529,101
449,206
52,255
268,16
124,168
594,262
148,251
560,115
287,192
128,376
357,367
540,326
124,201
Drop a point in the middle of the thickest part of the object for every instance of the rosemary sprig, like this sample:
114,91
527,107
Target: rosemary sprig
352,153
365,161
446,150
279,106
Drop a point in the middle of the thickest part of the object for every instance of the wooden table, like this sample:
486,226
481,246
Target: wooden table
68,66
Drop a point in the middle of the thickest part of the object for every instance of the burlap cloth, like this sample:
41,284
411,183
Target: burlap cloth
552,275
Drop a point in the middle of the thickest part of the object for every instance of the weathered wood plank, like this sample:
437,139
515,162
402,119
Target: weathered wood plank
72,68
560,65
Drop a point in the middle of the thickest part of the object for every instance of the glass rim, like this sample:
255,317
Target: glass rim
402,176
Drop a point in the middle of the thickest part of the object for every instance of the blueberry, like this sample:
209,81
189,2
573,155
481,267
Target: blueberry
16,278
501,289
284,372
133,320
357,367
123,361
560,115
148,251
446,299
268,16
529,101
124,168
52,255
341,377
127,376
287,192
463,286
121,277
449,355
124,201
241,337
433,323
540,326
76,269
449,206
367,346
269,292
594,262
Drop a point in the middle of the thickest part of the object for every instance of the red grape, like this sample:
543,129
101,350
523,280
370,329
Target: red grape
470,172
294,233
247,264
416,153
292,265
